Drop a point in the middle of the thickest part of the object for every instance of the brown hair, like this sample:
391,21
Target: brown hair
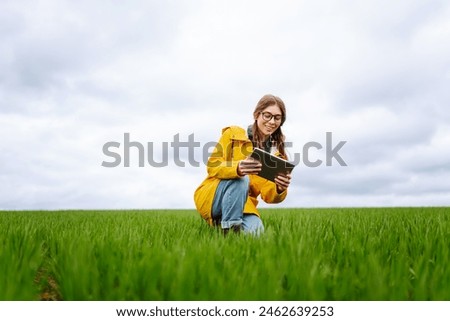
277,136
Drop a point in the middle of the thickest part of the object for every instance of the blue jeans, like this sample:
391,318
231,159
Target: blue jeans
228,205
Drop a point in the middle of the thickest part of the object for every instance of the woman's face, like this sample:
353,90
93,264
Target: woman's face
269,120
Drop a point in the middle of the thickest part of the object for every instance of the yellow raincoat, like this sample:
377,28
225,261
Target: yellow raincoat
233,146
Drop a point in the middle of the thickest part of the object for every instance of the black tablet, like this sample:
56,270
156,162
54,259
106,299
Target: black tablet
271,165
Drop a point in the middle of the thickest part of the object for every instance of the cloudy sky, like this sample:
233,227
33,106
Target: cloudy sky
75,75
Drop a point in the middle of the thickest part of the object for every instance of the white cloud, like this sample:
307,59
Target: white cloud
76,75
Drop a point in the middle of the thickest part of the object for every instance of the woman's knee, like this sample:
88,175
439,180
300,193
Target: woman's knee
242,183
238,185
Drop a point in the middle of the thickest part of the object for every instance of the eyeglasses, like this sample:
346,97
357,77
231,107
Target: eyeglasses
268,116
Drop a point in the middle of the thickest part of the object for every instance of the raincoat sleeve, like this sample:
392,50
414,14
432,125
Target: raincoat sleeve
269,193
220,163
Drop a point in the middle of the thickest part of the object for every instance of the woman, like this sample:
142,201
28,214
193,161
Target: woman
228,195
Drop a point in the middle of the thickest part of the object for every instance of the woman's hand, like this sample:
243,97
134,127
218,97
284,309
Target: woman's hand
282,181
249,166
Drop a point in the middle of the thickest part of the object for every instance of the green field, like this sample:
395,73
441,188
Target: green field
305,254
